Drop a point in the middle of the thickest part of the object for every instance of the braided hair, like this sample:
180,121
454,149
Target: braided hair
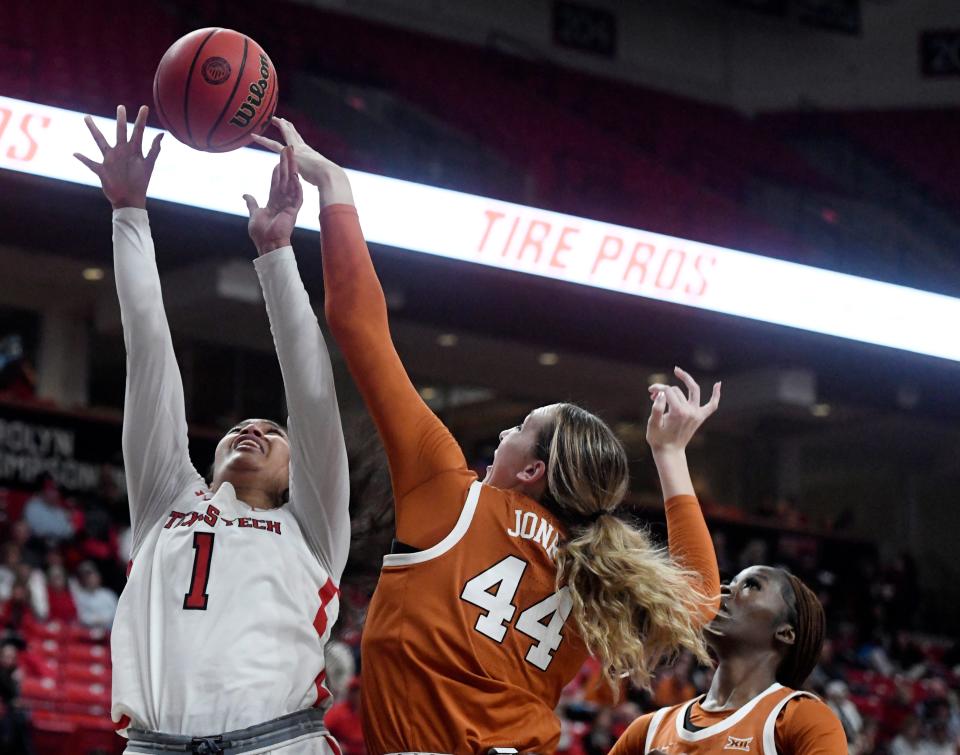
806,615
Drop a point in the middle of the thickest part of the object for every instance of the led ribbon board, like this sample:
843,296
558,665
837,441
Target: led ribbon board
41,140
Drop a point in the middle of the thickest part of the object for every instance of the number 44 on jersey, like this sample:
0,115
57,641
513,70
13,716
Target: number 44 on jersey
493,591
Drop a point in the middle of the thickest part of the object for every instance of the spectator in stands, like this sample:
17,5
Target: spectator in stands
571,741
17,612
838,700
943,707
345,722
59,596
32,550
36,582
341,668
828,667
97,541
600,737
8,569
906,655
47,515
910,740
14,724
96,604
940,742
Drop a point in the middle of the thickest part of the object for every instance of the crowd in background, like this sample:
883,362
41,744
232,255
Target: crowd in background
895,689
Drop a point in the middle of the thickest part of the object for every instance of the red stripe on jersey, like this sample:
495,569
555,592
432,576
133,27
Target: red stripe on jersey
129,568
334,745
322,692
327,593
123,723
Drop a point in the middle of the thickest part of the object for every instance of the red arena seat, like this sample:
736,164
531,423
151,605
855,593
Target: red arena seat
84,652
86,693
40,692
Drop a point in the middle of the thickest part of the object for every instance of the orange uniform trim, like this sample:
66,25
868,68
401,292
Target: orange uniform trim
805,727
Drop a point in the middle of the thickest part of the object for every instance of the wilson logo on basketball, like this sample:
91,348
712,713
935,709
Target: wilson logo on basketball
258,92
215,70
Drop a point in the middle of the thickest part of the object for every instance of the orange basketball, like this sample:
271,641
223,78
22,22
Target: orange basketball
214,88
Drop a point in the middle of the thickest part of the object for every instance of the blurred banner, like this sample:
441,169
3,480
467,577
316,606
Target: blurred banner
68,448
41,140
74,449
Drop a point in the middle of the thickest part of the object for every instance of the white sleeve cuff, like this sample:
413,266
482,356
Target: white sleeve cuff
130,213
265,261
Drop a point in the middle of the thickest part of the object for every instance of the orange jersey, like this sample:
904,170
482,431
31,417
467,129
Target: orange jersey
470,636
466,644
778,720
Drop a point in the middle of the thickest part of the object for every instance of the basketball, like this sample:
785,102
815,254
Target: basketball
214,89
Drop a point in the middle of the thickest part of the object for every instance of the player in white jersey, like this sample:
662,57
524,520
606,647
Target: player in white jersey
233,586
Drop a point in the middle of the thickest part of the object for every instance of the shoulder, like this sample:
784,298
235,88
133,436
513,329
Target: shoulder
806,724
634,739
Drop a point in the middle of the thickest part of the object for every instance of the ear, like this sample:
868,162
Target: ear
535,471
786,634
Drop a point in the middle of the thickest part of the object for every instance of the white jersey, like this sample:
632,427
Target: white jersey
227,608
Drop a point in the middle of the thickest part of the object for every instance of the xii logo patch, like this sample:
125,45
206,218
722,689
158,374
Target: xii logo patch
735,743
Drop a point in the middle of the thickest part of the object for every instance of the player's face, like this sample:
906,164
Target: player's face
752,609
515,459
255,446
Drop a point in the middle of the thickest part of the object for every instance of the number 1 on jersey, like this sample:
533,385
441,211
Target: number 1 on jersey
196,598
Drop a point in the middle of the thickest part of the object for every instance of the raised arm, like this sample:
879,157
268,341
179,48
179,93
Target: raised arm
155,452
319,478
419,448
673,421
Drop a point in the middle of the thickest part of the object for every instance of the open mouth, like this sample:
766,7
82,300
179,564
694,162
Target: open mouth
248,443
722,612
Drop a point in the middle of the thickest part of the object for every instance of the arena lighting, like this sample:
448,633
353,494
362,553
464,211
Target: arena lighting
40,140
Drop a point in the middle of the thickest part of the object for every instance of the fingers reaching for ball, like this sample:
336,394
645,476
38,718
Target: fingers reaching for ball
314,167
125,171
271,144
271,227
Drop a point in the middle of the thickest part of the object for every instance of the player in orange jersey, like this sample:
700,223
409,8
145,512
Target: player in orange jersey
767,637
467,643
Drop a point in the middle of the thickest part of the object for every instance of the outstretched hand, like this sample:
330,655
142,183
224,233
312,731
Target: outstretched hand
316,169
271,227
125,171
675,417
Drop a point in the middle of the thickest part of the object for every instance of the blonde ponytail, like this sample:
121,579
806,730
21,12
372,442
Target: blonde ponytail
633,605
